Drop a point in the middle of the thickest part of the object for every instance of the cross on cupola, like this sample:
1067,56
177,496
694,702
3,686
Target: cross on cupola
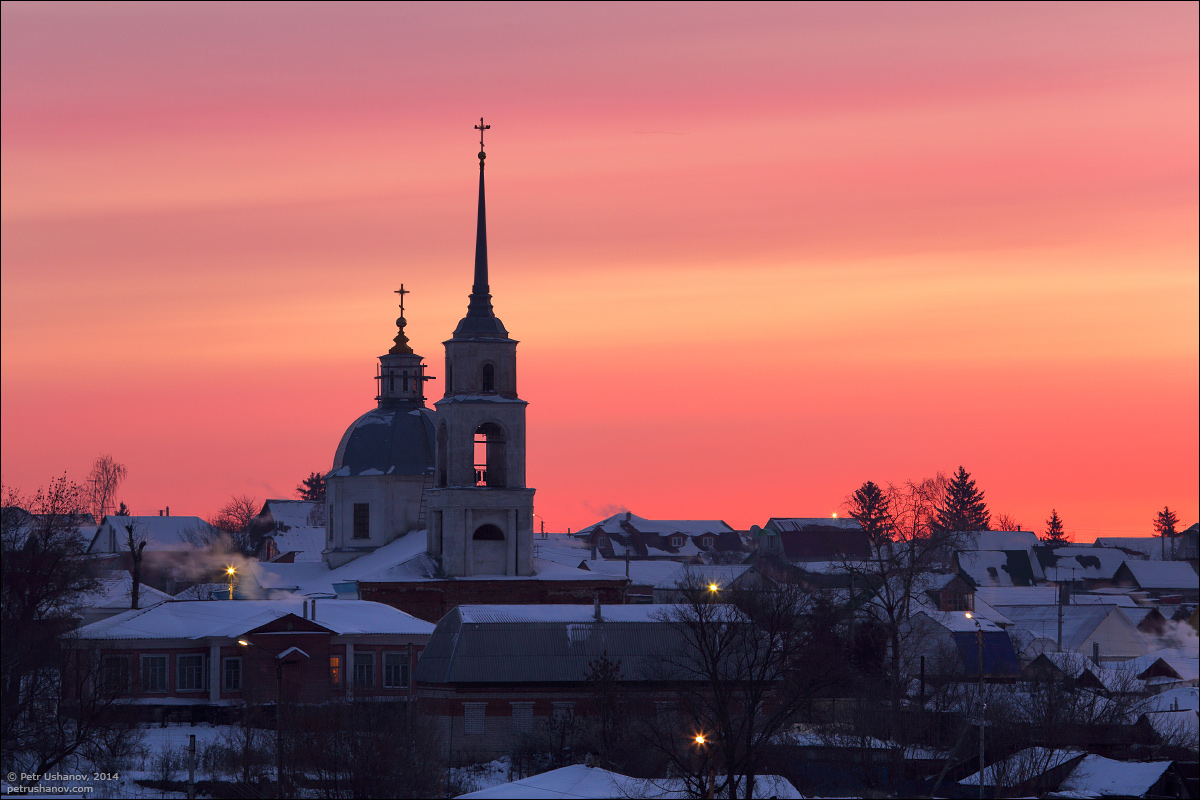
481,128
401,375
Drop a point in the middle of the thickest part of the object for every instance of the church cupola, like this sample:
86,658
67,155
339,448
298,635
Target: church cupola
482,511
401,373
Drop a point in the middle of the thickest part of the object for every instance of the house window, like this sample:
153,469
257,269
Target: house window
362,520
395,670
522,717
335,670
189,675
231,673
154,673
473,714
706,542
563,714
364,670
114,674
677,541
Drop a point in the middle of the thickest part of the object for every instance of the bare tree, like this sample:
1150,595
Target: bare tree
102,484
135,540
55,702
236,520
748,661
895,575
1006,522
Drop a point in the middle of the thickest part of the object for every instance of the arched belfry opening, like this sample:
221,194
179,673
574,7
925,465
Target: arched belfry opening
488,533
489,456
487,383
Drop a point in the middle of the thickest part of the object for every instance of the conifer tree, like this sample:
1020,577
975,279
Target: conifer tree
962,508
1165,522
869,506
1054,530
312,488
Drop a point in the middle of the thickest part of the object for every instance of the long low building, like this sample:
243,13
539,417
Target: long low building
492,674
220,652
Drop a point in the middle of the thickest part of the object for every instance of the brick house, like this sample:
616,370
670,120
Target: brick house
211,653
493,674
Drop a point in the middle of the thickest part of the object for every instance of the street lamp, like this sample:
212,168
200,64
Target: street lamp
231,572
278,704
982,705
705,764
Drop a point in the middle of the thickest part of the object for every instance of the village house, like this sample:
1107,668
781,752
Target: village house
628,536
493,674
204,654
803,540
290,530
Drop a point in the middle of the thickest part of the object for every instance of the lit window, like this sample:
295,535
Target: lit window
335,670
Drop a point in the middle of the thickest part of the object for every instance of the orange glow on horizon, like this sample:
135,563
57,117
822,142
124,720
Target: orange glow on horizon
755,255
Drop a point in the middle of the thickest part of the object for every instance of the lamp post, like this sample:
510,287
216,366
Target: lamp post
706,769
278,711
982,705
231,572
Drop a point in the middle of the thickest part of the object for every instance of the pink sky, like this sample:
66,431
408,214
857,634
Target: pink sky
755,254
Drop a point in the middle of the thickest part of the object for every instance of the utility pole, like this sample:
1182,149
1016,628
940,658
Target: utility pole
191,792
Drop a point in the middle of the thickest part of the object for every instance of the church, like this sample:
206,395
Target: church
428,509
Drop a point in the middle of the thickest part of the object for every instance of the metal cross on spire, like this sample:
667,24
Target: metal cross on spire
402,291
481,128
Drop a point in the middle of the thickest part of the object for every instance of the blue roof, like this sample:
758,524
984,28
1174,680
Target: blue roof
999,657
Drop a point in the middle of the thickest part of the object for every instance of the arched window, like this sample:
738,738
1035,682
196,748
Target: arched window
489,455
488,384
488,533
441,455
449,376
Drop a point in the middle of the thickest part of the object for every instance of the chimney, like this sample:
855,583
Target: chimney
313,610
596,610
168,511
160,512
595,547
1096,653
306,609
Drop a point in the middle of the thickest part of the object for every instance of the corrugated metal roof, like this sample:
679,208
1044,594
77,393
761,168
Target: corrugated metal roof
512,644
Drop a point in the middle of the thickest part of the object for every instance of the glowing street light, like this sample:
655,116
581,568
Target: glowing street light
700,740
712,587
232,573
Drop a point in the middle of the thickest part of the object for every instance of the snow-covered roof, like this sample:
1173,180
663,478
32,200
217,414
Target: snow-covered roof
294,513
1097,776
1185,698
558,612
116,592
1079,626
688,527
997,568
201,619
1082,563
1162,574
666,574
1176,727
159,533
958,622
306,542
1024,765
1017,595
999,540
579,781
782,524
1150,547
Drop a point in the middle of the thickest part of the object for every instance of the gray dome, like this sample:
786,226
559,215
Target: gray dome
387,442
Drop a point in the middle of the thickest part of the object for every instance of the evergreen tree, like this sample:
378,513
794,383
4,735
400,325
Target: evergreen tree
1165,522
870,507
312,488
1054,530
962,507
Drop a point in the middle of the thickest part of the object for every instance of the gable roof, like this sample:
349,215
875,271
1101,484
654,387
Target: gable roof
546,643
1080,563
1096,776
116,592
286,514
819,538
1079,623
989,568
1159,574
201,619
160,533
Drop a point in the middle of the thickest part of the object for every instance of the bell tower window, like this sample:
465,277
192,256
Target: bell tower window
442,455
489,455
488,384
362,520
488,533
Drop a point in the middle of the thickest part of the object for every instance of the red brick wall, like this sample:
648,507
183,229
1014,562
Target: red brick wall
432,599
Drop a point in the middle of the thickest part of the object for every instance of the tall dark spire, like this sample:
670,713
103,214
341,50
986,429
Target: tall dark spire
481,320
481,298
